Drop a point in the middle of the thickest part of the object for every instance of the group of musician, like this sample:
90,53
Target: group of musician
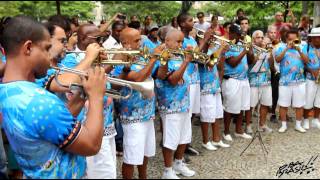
61,124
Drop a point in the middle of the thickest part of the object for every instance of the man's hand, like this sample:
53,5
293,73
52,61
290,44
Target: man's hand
95,85
92,51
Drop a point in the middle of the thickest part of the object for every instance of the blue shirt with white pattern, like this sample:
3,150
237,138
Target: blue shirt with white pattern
173,99
192,68
136,108
314,60
209,78
291,66
38,126
260,74
239,72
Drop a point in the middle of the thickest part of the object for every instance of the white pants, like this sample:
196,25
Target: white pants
211,108
294,95
312,95
194,98
138,141
261,94
103,165
236,95
176,129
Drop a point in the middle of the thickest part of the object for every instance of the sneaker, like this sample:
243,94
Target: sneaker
244,135
265,129
249,130
227,137
306,124
191,151
183,170
283,129
220,144
169,174
300,129
209,146
315,123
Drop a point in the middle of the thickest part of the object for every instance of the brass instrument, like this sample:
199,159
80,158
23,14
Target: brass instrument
197,56
146,88
231,43
297,42
318,78
201,36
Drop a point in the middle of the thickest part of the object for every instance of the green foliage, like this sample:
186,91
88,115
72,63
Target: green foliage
43,9
161,11
260,13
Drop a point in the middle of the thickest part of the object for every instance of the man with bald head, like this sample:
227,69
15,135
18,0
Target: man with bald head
173,105
137,112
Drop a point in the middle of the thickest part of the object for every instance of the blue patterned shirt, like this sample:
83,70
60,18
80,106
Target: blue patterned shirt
291,67
149,44
239,72
260,74
38,126
314,60
209,78
192,68
173,99
136,108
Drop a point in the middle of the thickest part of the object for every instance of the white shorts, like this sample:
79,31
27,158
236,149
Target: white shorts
211,108
261,94
194,99
236,95
138,141
176,129
103,165
294,95
312,95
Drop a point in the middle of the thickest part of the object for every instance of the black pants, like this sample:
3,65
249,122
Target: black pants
275,90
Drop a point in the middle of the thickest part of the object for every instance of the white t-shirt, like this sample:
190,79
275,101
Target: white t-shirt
111,43
205,26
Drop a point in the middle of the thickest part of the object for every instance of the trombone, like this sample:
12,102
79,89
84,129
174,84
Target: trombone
146,88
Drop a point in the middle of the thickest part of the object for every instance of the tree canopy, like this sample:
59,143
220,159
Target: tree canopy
43,9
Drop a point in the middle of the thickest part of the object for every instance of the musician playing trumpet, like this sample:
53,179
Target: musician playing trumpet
312,50
136,113
235,85
292,86
260,81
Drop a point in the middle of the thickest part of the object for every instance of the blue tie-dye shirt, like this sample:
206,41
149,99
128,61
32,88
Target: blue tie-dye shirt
314,59
136,108
38,126
209,78
260,74
239,72
291,66
149,44
173,99
192,68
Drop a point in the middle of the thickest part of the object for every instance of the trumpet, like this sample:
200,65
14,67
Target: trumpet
231,43
146,88
201,31
198,57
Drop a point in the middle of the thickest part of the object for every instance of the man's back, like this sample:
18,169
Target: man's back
38,126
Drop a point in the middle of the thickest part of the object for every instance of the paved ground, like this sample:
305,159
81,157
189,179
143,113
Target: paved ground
227,163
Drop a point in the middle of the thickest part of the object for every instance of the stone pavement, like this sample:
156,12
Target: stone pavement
227,163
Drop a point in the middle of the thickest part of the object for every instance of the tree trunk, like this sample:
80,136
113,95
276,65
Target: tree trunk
185,6
304,8
316,13
58,7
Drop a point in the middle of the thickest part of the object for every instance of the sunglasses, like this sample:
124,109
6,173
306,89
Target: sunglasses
99,39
